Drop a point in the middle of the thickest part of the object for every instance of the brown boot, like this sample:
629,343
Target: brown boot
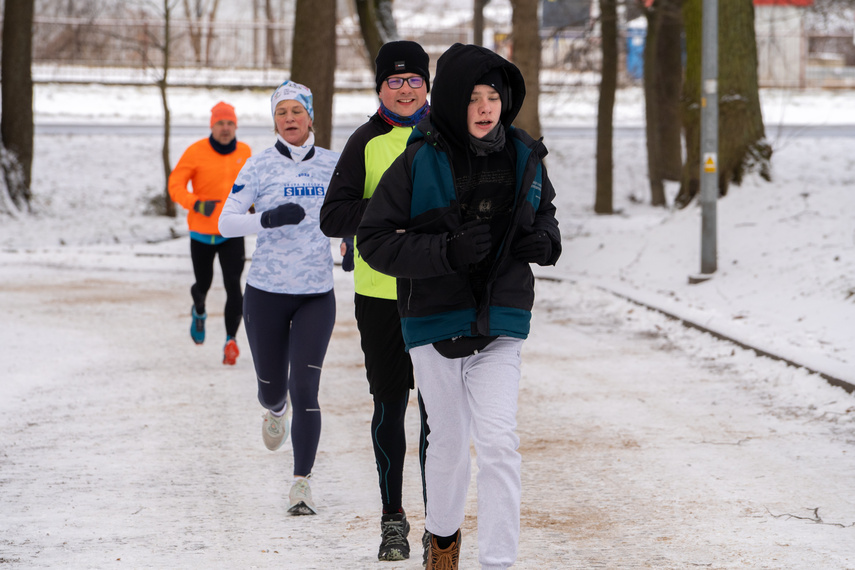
444,559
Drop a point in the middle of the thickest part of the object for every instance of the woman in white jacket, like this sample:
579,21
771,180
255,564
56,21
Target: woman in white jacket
289,303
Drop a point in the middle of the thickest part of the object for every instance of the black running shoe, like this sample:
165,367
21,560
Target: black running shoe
394,529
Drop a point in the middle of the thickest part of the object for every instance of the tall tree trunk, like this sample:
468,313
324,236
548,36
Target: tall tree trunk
605,110
670,64
741,134
210,36
651,106
255,42
663,77
16,122
526,56
377,25
169,205
478,22
195,30
274,55
313,59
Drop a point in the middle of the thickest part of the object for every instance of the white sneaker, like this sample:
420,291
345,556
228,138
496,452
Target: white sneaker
301,498
274,429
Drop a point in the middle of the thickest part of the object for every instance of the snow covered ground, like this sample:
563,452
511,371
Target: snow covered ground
645,444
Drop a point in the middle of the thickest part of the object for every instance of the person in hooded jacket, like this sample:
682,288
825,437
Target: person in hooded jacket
458,218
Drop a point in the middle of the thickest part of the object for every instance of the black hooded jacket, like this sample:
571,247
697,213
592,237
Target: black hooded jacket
457,70
417,204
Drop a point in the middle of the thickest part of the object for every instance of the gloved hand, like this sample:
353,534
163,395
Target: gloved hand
470,243
347,254
535,247
205,207
283,214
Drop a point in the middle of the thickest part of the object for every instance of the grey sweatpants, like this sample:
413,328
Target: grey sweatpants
473,396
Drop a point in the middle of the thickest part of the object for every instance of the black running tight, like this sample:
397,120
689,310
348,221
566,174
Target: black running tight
232,256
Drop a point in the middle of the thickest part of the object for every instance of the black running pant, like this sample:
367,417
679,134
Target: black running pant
232,256
390,379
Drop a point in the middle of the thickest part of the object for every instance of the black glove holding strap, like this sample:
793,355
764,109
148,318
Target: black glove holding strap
468,244
535,247
284,214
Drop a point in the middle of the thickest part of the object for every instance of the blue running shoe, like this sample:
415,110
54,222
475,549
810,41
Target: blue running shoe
197,327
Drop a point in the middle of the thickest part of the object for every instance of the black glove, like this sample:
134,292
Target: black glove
205,207
470,243
283,214
347,257
535,247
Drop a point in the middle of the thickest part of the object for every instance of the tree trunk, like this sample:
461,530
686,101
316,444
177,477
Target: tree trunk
605,110
210,36
478,22
663,73
169,205
274,55
16,122
669,56
256,56
651,106
313,60
741,134
377,24
195,30
526,56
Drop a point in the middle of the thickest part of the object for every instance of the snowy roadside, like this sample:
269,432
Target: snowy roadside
786,249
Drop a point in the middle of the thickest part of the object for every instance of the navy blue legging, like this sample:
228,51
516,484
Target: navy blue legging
288,336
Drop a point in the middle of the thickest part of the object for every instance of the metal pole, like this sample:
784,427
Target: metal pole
709,135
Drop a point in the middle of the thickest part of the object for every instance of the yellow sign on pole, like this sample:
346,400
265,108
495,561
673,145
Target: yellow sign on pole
709,162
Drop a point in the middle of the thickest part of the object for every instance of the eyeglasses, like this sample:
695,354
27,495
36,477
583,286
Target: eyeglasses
397,82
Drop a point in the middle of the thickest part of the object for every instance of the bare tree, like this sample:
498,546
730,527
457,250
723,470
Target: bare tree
377,24
162,84
275,54
741,134
313,59
197,14
158,42
526,56
603,203
16,123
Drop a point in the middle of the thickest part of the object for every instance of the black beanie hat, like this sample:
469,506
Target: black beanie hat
494,79
401,57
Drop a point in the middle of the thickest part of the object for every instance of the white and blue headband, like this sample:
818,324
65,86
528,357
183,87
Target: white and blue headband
292,91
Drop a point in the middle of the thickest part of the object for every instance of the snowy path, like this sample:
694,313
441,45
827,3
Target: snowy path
645,444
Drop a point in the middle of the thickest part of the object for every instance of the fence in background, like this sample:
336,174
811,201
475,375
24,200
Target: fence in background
247,54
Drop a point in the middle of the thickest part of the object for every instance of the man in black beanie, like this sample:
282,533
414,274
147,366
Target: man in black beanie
402,81
401,57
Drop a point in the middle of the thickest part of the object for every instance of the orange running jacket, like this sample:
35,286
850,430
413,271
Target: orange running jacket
212,175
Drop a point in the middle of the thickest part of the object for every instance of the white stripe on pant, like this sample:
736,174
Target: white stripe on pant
475,395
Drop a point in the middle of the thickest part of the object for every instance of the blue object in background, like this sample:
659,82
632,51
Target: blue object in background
635,39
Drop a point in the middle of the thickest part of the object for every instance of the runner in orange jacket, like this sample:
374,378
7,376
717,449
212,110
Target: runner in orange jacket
211,166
